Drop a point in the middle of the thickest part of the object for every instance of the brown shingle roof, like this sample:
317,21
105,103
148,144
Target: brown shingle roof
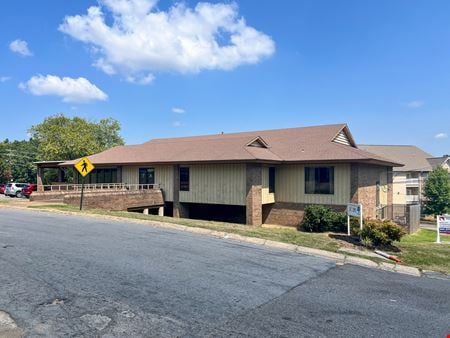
307,144
414,158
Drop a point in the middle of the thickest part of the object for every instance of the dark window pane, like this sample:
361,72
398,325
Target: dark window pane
184,179
319,180
271,179
146,176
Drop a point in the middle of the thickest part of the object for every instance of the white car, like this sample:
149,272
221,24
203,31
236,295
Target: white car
14,189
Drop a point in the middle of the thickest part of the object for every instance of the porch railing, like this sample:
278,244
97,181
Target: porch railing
97,187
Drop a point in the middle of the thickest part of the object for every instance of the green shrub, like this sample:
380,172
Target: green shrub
319,218
379,232
316,219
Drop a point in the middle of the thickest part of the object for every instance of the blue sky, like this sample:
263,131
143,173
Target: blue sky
383,67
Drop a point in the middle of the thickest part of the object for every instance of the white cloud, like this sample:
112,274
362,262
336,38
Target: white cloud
142,80
441,136
142,40
20,47
415,104
178,110
177,124
4,78
71,90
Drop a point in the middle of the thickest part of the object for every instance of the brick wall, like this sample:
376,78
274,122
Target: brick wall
289,214
363,187
117,201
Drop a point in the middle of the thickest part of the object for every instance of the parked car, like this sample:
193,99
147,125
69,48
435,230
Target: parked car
28,190
2,188
15,189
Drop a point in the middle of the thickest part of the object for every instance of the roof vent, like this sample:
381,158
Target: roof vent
258,142
342,138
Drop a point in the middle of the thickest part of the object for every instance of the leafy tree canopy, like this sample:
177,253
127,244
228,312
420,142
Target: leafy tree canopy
64,138
437,192
16,161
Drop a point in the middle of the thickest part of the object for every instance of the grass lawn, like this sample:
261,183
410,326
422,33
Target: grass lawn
419,249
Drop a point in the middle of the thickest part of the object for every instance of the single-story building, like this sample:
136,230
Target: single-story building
255,177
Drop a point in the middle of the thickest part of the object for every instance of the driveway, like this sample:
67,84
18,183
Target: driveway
65,275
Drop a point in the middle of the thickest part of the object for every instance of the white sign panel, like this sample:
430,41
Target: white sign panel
443,226
354,210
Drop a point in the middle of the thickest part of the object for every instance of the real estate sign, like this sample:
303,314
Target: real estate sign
443,226
354,210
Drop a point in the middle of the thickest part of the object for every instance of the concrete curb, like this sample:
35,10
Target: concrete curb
338,258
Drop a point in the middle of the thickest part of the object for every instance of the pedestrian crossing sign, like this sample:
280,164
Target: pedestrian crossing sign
84,166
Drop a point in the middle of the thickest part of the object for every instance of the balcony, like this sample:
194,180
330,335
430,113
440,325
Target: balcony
412,182
411,199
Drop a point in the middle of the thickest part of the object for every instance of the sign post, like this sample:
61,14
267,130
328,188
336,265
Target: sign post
84,167
354,210
442,226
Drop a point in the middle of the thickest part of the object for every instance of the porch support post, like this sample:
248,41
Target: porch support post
60,175
40,173
161,211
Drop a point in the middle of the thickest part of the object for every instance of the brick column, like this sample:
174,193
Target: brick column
176,191
254,194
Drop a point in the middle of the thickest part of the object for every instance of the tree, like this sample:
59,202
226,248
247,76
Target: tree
63,138
437,192
16,161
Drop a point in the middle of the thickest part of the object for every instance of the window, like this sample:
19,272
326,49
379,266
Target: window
271,179
319,180
184,178
146,175
102,176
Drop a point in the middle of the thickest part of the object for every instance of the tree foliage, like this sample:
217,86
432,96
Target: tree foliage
437,192
64,138
16,161
57,138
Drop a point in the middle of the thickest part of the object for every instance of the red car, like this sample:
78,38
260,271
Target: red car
28,190
2,188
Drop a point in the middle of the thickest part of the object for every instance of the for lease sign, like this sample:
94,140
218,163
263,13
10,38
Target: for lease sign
444,224
354,209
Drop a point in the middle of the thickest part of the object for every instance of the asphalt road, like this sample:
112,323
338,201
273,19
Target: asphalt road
63,275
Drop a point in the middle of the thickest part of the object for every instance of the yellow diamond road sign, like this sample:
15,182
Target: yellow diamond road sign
84,166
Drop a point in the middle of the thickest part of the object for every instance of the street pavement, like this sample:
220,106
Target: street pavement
64,275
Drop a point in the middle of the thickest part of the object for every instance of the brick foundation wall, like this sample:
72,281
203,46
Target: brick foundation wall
117,201
289,214
48,196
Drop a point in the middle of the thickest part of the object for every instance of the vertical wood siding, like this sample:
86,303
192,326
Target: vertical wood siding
384,187
266,196
399,183
216,184
290,186
163,177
